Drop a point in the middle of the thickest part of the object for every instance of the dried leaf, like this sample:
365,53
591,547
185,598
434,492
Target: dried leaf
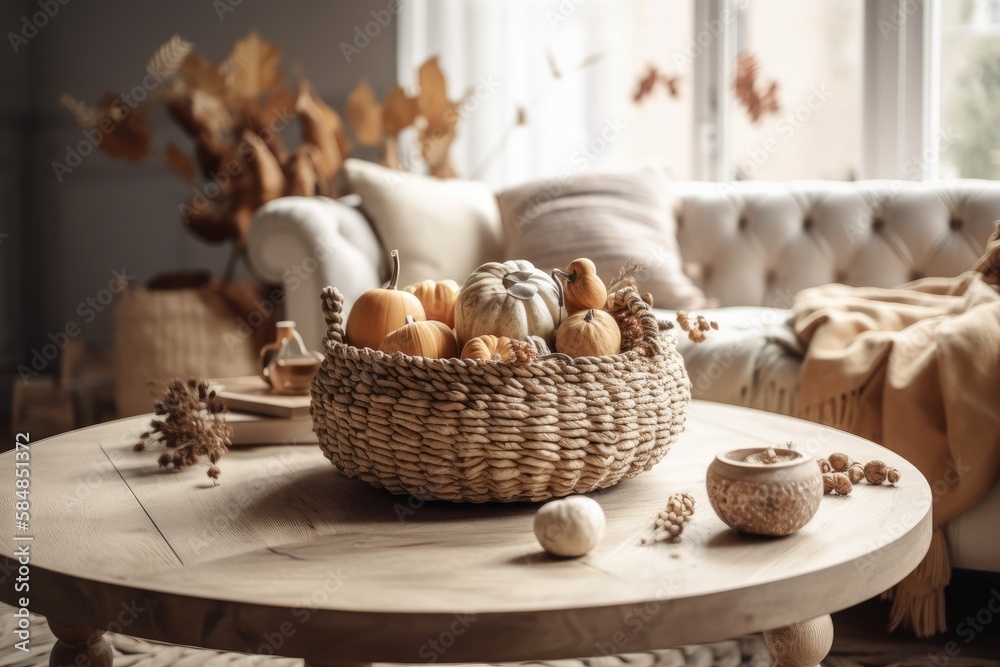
435,147
321,127
209,152
745,85
200,73
280,105
130,137
210,222
211,113
180,162
622,280
269,180
365,114
252,67
84,114
240,220
434,103
646,84
301,175
441,115
168,58
671,82
399,111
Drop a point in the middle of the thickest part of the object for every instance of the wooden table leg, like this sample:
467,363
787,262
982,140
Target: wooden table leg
78,645
801,644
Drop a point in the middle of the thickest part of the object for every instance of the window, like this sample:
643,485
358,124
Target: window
812,52
970,88
856,86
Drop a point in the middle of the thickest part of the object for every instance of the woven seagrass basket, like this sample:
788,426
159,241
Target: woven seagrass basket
464,430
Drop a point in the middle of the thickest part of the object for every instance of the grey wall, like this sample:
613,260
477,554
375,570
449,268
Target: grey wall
65,238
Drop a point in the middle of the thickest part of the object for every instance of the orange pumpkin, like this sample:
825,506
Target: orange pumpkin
591,333
488,347
380,311
437,298
428,338
584,288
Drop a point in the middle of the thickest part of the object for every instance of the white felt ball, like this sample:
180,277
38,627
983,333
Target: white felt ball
570,526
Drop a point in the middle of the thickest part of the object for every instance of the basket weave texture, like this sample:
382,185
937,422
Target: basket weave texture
468,430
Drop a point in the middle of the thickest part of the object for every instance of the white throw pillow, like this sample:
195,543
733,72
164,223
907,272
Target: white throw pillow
442,228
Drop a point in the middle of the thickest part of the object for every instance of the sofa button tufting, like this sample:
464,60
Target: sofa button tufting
878,224
743,223
771,277
955,223
807,224
840,277
916,275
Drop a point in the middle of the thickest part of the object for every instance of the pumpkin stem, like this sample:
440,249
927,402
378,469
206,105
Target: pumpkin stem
570,277
556,274
394,278
409,319
589,317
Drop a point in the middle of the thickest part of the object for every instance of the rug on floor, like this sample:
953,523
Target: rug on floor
747,651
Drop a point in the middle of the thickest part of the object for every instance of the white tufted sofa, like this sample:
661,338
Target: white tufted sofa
749,245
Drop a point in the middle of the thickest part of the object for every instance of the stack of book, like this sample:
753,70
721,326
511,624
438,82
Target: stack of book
260,417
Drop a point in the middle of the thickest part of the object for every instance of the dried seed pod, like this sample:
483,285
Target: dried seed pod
670,521
875,472
839,462
682,320
842,484
829,486
824,465
892,475
856,473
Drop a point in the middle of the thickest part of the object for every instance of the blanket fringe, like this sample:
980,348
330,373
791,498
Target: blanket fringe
837,411
918,600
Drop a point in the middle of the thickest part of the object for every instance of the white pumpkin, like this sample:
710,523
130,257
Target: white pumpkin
512,299
570,527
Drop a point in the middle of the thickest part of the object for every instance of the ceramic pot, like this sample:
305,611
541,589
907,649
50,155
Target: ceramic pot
772,499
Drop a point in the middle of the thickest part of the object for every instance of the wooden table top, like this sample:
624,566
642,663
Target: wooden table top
288,557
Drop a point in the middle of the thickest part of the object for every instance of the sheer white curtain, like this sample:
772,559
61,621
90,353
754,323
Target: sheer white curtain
558,62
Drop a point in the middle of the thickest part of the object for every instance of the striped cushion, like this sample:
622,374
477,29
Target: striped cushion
609,218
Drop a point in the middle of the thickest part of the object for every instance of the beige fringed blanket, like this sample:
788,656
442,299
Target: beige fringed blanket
916,369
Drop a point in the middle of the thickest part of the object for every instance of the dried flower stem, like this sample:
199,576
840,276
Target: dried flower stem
193,427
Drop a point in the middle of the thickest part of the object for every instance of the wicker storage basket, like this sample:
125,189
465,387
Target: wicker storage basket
478,431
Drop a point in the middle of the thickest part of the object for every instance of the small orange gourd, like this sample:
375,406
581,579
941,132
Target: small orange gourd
380,311
584,288
427,338
590,333
488,347
438,299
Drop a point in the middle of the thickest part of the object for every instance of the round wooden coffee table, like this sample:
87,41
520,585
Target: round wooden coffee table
287,557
